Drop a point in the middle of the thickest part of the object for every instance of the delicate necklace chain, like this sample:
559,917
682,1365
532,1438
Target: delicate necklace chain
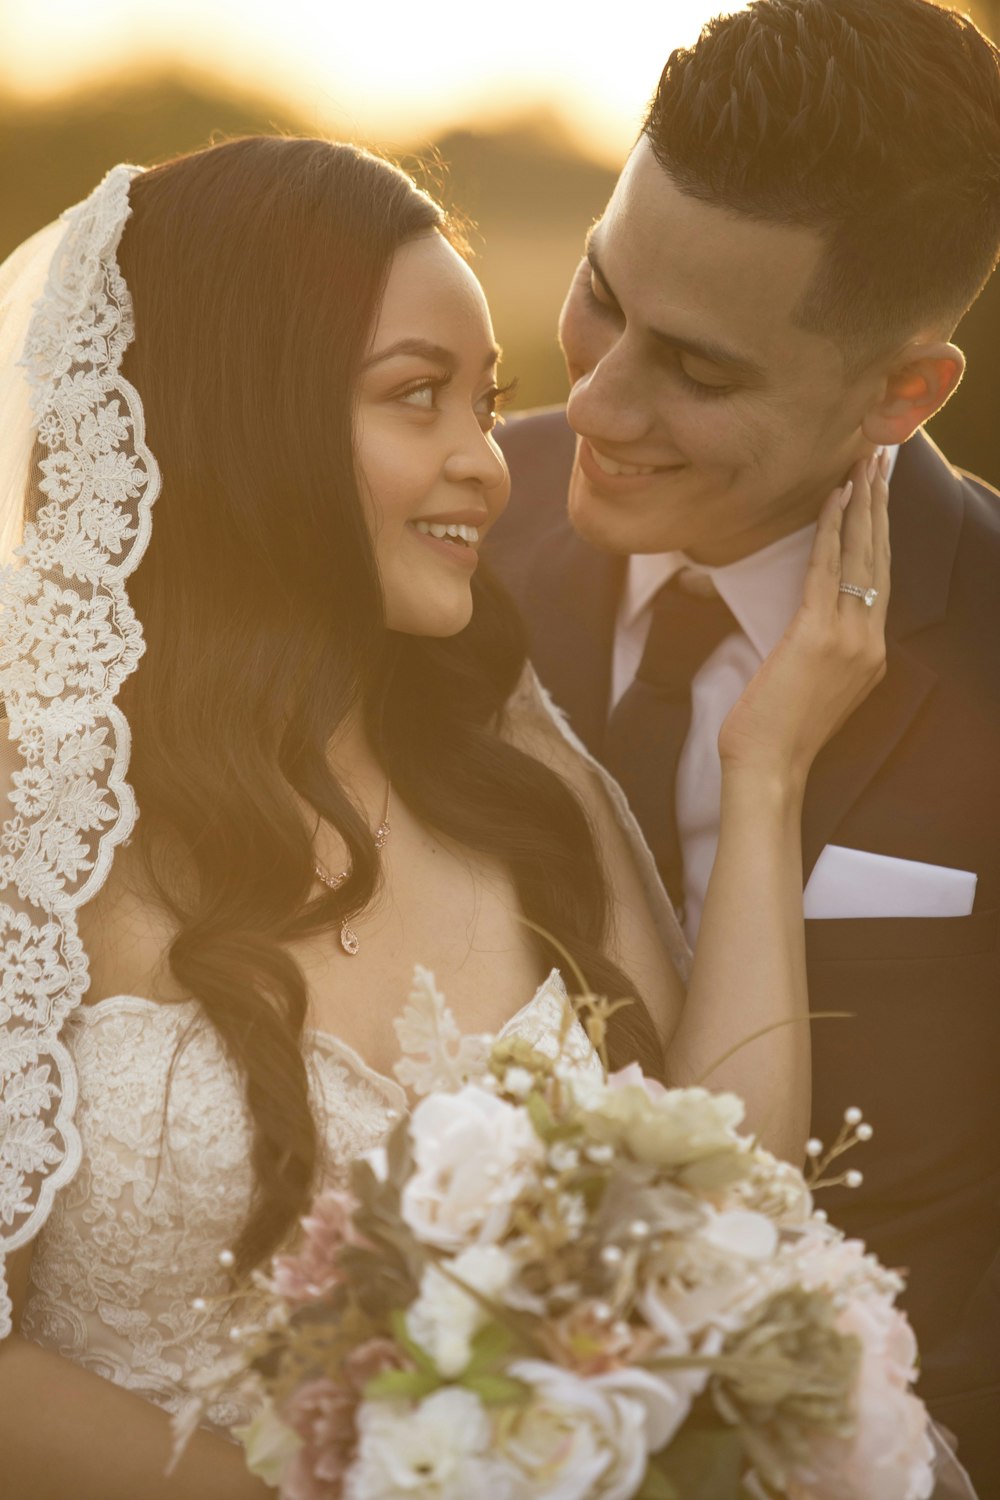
348,937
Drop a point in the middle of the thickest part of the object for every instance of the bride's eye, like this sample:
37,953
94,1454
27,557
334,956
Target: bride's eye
424,396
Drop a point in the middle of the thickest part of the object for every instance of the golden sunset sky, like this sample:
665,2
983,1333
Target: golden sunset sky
373,68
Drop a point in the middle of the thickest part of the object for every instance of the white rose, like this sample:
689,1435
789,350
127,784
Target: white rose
668,1128
473,1155
439,1450
741,1233
444,1319
710,1278
589,1438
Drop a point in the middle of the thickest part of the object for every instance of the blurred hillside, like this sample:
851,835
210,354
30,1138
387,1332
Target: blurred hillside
530,194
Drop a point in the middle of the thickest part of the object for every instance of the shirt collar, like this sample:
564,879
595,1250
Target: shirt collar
762,590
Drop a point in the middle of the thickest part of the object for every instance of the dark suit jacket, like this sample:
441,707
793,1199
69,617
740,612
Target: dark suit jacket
916,774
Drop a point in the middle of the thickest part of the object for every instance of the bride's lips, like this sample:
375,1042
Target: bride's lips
459,554
617,484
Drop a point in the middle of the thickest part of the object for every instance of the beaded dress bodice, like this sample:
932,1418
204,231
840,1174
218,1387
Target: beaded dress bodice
126,1278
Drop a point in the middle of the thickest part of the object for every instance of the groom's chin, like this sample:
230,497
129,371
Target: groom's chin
601,521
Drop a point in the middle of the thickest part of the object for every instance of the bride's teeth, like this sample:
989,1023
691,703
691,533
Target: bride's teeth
467,534
610,467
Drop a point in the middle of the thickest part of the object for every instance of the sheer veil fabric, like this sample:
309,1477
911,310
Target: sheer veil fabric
76,486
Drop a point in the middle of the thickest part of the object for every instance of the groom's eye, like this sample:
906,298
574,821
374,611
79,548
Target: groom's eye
700,387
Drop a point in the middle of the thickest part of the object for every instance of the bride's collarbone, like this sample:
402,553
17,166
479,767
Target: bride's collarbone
453,914
450,910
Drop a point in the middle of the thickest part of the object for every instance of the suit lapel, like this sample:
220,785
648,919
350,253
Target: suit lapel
925,512
575,591
846,765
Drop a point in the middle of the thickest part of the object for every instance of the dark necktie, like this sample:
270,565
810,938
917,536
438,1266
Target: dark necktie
650,722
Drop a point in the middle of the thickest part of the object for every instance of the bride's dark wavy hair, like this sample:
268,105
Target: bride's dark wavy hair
256,269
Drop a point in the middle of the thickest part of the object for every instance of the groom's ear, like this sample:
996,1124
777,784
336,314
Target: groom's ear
916,383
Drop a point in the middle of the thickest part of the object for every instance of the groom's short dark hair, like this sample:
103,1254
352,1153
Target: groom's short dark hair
875,122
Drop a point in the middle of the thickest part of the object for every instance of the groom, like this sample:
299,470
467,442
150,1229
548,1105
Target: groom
769,294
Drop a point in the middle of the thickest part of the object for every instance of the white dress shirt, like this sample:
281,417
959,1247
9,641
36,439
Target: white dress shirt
763,591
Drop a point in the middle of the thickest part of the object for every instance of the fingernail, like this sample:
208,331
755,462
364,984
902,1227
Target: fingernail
883,463
846,493
873,465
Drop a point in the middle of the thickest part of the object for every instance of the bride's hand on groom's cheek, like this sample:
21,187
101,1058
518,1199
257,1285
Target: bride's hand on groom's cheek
833,653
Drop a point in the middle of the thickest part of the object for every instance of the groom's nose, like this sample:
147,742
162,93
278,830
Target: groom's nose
606,402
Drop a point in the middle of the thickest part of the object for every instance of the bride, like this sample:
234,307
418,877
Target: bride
343,763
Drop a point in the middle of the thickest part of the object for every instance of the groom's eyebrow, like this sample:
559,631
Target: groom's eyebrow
424,349
708,349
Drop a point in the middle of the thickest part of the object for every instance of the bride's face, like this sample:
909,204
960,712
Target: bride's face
424,448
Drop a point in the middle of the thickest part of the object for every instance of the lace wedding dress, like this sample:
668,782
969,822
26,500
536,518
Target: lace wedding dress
125,1277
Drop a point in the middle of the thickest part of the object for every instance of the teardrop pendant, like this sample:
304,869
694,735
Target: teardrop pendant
349,940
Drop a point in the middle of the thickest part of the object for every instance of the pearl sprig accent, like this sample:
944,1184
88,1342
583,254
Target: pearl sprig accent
854,1130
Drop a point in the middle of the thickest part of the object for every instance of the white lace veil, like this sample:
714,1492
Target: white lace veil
76,486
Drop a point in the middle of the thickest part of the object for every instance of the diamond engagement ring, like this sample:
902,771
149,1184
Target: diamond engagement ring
868,595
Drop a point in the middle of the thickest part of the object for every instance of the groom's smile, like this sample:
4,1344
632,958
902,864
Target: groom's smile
708,421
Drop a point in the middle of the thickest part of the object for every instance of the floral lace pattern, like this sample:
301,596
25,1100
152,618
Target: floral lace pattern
69,638
125,1277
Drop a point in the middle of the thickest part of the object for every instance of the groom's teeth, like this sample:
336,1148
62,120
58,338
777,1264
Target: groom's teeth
467,534
610,467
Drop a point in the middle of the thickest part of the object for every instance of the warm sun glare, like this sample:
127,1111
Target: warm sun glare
388,70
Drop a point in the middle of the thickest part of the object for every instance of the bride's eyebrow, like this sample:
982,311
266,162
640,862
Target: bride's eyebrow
436,353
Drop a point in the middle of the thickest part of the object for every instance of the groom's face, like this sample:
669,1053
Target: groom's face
686,366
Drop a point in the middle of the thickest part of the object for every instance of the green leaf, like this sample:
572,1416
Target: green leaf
489,1346
399,1154
420,1357
707,1462
497,1390
540,1116
656,1486
407,1385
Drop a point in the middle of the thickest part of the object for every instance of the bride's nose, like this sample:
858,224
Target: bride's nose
475,458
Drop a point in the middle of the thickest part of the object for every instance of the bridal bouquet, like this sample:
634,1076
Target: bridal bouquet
554,1284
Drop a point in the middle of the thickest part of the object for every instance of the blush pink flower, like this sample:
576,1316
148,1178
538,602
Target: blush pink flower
321,1413
312,1271
371,1359
889,1454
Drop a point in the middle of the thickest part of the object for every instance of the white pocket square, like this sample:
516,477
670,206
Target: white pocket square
854,883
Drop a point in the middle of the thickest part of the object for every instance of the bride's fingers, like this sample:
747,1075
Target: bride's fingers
881,578
857,549
819,595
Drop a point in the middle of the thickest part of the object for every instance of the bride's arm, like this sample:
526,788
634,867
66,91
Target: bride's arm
749,973
749,968
65,1432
